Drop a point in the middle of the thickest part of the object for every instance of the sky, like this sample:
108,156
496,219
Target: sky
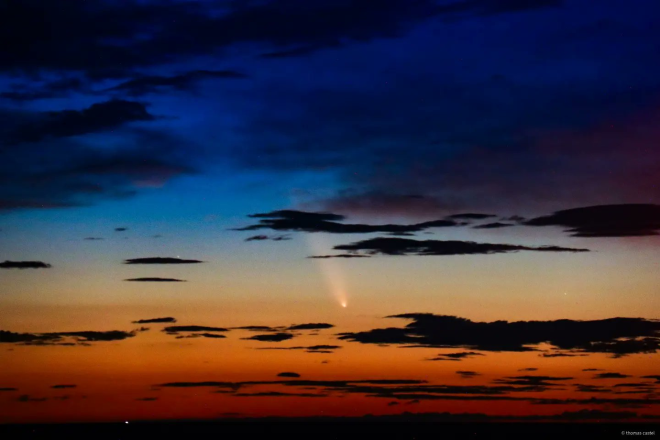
220,208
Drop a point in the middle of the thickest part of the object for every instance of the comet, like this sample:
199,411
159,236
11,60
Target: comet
330,270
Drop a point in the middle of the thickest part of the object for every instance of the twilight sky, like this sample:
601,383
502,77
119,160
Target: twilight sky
477,180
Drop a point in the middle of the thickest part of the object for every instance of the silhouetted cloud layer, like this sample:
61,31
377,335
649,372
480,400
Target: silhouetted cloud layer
210,335
391,421
313,326
629,220
61,338
467,374
404,246
290,220
566,335
98,117
154,83
471,216
455,356
155,320
268,237
540,382
339,256
156,280
495,225
161,260
610,376
327,349
276,337
508,388
193,328
288,374
258,328
24,265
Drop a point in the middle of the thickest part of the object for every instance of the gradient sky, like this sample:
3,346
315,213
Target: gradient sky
493,160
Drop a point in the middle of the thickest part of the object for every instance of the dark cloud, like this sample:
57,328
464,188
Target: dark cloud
313,326
87,173
147,399
610,376
592,369
11,337
528,369
300,51
210,335
276,337
599,401
450,331
309,349
591,388
559,354
495,225
268,237
154,83
122,229
93,238
24,265
278,394
629,220
624,347
514,218
532,381
193,328
93,336
27,398
288,374
156,279
656,377
154,320
80,338
211,384
404,246
471,216
160,260
295,383
456,356
258,328
103,36
467,374
99,37
634,385
322,257
63,386
258,238
98,117
54,89
8,389
504,389
290,220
